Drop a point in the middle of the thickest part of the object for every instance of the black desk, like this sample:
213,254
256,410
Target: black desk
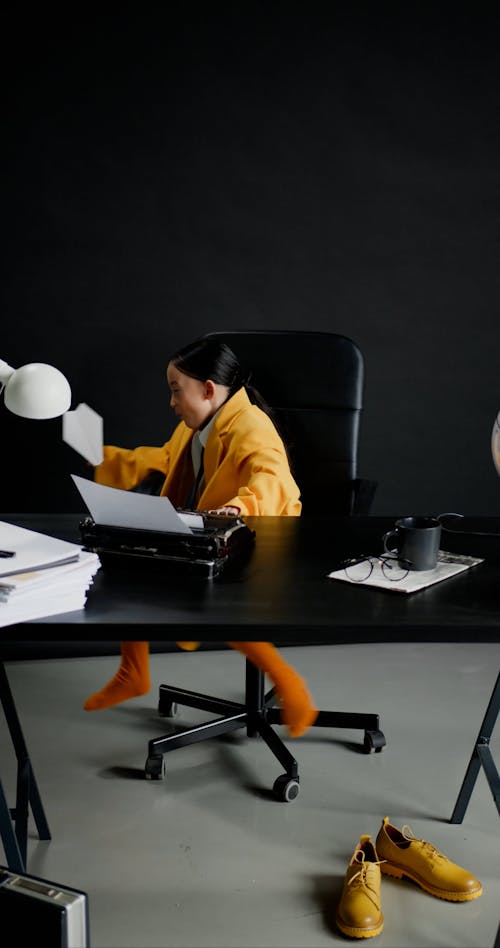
282,594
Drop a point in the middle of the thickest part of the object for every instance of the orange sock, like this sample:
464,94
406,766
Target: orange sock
131,680
297,708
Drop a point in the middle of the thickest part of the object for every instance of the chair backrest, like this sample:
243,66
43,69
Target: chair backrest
313,382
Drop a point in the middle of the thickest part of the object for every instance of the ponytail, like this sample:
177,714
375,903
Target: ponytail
209,358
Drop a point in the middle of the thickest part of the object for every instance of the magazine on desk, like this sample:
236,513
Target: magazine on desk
41,575
449,564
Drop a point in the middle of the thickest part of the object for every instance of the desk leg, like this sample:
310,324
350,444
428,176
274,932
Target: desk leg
481,757
15,860
27,793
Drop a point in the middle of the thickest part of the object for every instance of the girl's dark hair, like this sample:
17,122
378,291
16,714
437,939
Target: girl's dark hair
211,359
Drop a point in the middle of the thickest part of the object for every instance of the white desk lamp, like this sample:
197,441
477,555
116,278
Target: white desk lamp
35,391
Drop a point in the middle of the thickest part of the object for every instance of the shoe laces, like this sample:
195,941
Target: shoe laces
428,848
361,878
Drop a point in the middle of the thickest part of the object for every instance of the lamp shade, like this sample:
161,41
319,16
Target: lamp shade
35,391
495,443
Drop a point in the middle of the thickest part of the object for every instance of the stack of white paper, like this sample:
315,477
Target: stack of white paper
44,576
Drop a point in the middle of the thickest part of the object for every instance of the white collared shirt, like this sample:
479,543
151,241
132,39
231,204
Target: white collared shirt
199,440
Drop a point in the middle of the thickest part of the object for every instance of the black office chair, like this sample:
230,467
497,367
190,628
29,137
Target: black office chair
313,382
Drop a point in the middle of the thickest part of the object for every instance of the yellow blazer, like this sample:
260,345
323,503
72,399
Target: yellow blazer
245,464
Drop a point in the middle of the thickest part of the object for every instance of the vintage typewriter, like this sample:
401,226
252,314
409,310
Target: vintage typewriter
207,550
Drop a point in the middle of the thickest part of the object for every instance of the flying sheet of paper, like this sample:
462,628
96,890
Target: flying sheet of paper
82,429
123,508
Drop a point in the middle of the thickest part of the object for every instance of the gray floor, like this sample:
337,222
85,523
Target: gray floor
206,857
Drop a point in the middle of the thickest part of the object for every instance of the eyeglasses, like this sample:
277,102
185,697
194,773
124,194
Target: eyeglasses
360,568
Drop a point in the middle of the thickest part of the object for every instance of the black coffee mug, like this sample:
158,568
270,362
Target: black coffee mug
416,541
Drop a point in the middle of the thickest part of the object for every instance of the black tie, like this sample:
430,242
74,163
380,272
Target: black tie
192,496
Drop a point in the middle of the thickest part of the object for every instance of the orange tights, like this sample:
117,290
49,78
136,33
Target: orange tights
132,679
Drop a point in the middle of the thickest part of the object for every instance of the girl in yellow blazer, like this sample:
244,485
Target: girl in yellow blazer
225,456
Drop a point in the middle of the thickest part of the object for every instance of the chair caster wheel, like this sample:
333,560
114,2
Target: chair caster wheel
374,741
286,788
155,767
167,709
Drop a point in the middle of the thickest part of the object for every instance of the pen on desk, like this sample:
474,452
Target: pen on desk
5,554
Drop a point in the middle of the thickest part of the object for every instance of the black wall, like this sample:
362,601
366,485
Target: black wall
276,166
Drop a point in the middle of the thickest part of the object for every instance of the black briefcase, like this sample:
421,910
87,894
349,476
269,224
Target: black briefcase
39,912
208,550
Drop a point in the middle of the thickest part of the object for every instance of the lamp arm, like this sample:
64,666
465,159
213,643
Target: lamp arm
6,371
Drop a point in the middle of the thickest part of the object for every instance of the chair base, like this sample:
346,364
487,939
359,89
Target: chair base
256,714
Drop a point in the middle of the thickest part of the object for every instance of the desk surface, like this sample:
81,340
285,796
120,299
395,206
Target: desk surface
282,593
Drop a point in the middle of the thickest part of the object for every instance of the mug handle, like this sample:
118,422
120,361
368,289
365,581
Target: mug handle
385,539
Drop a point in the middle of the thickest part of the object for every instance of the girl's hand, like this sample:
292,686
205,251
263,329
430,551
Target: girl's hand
231,511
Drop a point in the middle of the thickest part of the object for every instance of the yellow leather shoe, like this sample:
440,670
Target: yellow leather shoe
404,855
358,912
